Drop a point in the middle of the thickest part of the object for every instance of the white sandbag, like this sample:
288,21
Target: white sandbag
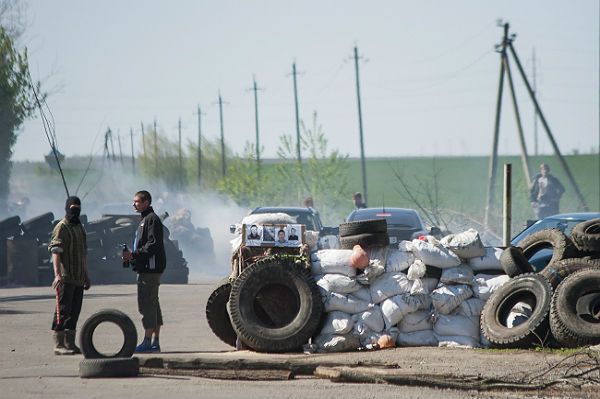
378,253
416,270
485,285
448,297
466,245
434,255
462,274
425,301
429,283
337,343
396,307
416,321
398,261
345,303
375,269
417,338
457,341
472,307
332,261
489,261
456,325
311,239
388,285
362,294
519,314
334,282
337,322
372,319
269,218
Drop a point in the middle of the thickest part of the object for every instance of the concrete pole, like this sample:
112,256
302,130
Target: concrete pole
507,208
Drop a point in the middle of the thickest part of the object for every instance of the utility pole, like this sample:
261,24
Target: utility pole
106,139
535,92
223,166
255,89
180,155
155,149
120,149
360,129
294,73
143,139
112,144
132,152
199,147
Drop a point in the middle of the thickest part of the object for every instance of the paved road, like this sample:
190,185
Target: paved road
28,368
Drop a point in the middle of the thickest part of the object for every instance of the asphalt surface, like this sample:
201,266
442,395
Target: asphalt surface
29,369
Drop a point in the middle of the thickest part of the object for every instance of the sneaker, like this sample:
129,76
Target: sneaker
144,347
155,348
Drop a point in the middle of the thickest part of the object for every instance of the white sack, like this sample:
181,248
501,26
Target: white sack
485,285
398,260
337,322
388,285
362,294
489,261
396,307
311,238
417,338
378,253
375,269
332,261
337,343
462,274
457,325
416,321
434,255
345,303
448,297
339,283
466,245
519,314
472,307
457,341
269,218
372,319
430,283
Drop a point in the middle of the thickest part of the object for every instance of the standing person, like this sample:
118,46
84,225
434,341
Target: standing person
68,247
358,201
149,261
309,202
545,193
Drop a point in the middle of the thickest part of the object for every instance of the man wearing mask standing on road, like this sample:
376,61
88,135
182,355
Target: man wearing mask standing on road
69,250
149,261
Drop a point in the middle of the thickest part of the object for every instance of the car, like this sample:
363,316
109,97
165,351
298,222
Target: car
563,222
402,223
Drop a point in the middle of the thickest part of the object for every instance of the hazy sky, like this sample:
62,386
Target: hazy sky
429,79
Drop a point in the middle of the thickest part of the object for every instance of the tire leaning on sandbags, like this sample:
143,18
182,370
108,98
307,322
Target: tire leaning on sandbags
365,240
514,262
113,316
109,368
363,226
556,272
562,246
586,235
275,306
575,309
530,288
216,313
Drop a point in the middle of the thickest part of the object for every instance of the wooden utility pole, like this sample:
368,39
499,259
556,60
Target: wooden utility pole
132,152
223,165
298,151
120,149
155,149
360,129
181,173
199,154
535,91
255,89
143,139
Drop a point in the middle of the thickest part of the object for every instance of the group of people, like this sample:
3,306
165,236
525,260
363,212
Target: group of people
69,249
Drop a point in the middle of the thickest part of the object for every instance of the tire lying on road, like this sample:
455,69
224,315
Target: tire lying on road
514,262
365,240
562,247
363,226
114,316
531,289
575,310
108,368
586,235
275,306
558,271
216,313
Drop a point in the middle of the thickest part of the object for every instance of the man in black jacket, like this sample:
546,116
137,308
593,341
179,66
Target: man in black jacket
149,261
545,193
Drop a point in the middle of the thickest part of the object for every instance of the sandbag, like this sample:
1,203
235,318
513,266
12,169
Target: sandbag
362,294
388,285
489,261
519,314
269,218
337,322
339,283
396,307
485,285
417,338
448,325
416,321
472,307
457,341
332,261
430,283
372,319
375,269
466,245
434,255
398,260
345,303
462,274
448,297
337,343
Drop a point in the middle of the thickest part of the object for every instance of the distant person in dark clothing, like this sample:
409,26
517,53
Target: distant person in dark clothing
149,261
308,202
545,193
357,199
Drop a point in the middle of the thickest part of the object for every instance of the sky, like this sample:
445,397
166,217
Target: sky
428,73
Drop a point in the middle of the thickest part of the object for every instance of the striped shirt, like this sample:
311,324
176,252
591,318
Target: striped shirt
69,241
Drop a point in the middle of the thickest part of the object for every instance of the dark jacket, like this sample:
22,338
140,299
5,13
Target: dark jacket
149,252
552,194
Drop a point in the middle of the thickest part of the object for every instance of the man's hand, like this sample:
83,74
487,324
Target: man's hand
57,281
127,256
87,284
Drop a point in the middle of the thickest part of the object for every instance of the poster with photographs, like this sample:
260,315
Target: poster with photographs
269,235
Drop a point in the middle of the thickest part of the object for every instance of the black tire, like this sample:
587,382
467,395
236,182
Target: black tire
562,246
363,226
532,289
514,262
109,368
39,222
275,306
365,240
556,272
586,235
108,315
216,313
575,310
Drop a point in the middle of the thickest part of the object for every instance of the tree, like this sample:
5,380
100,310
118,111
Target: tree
17,103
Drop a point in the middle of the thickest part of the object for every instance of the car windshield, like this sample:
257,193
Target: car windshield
396,218
563,225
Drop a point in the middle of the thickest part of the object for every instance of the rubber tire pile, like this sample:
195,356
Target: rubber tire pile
564,297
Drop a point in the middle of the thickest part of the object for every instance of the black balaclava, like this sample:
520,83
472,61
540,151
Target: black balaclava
72,214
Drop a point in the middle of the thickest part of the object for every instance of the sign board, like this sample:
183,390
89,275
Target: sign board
273,235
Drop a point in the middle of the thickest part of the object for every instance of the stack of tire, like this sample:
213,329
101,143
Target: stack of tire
366,233
563,299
